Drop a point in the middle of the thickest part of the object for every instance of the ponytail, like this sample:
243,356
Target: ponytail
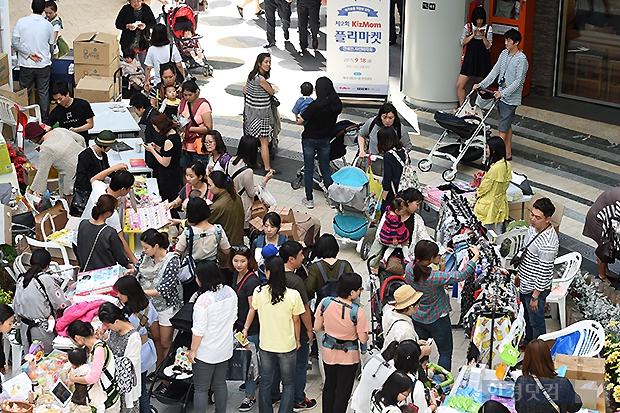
223,181
425,250
39,260
153,237
105,203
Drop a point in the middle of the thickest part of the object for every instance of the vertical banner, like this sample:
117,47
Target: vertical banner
358,46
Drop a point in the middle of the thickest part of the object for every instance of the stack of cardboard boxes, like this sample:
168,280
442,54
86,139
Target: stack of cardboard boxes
96,57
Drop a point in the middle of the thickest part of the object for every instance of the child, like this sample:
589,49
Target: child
435,377
82,394
191,46
170,105
394,233
303,102
132,69
51,14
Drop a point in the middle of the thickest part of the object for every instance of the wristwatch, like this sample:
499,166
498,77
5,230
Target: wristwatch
534,298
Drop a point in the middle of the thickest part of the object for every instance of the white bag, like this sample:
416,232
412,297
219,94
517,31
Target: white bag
265,197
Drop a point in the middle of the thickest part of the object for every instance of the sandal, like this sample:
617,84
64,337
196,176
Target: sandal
605,280
240,10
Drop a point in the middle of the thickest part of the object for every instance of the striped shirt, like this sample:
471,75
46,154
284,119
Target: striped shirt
536,269
510,71
257,100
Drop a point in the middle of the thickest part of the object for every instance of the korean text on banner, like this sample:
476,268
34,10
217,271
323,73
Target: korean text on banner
358,46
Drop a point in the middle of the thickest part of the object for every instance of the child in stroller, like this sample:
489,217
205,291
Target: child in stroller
132,69
181,22
394,234
191,46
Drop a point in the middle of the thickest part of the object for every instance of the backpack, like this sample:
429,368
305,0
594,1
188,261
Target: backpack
124,375
353,306
333,343
330,289
109,388
186,273
409,176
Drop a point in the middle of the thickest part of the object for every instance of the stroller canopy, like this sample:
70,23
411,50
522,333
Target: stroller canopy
350,176
179,19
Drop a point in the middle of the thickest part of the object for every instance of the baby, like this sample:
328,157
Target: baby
170,105
83,398
192,47
394,234
305,99
132,69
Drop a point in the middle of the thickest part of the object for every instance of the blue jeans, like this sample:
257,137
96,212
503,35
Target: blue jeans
441,331
250,385
286,362
145,400
319,147
301,372
534,322
187,158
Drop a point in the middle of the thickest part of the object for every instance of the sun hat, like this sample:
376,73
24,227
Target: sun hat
405,296
33,131
105,138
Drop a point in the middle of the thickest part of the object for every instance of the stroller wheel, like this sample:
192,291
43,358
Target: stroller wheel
296,184
365,250
154,409
425,165
448,175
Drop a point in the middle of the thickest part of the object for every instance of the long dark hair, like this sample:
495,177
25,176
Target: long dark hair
199,169
478,13
6,312
256,70
153,237
277,279
159,36
247,151
223,181
537,360
424,250
387,107
109,313
39,260
397,383
209,275
326,96
388,139
497,150
220,146
136,298
407,357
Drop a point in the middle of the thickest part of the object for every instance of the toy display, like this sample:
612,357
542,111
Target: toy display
99,281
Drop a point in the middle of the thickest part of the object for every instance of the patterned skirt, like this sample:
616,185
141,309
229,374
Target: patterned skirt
259,128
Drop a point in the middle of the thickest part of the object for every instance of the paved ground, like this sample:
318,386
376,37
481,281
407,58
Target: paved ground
568,158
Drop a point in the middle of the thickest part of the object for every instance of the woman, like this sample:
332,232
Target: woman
197,111
243,265
135,36
278,310
258,92
196,178
397,323
37,301
413,221
598,224
386,118
207,239
491,204
407,359
101,360
259,12
433,318
215,147
143,316
59,149
227,208
333,316
157,270
540,389
7,319
160,52
169,157
395,390
124,341
168,75
212,340
476,40
394,158
492,406
271,226
240,169
98,244
319,120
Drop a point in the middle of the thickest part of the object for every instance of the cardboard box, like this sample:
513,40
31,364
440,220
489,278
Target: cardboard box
5,69
286,214
95,48
590,393
556,218
59,215
259,210
5,232
20,97
82,70
95,89
581,368
28,173
288,229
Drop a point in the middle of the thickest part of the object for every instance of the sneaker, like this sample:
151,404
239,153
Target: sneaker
242,386
247,404
274,402
308,203
307,404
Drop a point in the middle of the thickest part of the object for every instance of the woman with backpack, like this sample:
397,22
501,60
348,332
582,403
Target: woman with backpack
37,301
125,343
101,360
215,147
143,316
196,111
345,329
157,270
394,391
227,208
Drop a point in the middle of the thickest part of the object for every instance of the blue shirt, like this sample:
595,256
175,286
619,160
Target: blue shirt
301,104
510,71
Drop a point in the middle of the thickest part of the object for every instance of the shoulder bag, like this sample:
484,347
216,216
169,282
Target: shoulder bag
236,174
518,257
544,392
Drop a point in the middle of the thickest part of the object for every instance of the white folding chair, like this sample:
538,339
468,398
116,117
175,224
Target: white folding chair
516,238
65,271
560,285
591,340
7,117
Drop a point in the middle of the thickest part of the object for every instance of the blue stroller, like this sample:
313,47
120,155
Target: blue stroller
355,208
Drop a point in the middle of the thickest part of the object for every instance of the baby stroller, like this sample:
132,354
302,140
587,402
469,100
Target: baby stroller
179,20
381,293
174,369
469,144
350,195
345,134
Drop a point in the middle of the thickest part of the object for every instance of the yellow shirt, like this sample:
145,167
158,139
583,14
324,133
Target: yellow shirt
492,205
277,332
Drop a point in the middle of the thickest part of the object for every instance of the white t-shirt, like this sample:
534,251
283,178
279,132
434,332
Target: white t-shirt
99,188
158,55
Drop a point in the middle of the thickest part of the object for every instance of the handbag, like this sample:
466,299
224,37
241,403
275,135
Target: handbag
522,182
239,365
544,392
518,257
183,319
63,47
78,202
274,101
394,265
186,273
464,48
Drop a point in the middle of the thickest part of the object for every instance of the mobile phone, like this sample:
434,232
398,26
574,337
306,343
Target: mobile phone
429,342
242,340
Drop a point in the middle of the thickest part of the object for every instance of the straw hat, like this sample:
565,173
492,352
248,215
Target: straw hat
405,296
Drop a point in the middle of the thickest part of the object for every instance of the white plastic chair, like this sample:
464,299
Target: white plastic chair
6,117
65,272
591,340
558,296
516,236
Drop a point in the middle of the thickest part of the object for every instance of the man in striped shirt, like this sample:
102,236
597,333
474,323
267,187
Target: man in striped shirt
510,71
535,271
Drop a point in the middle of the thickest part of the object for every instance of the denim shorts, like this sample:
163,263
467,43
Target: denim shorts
506,116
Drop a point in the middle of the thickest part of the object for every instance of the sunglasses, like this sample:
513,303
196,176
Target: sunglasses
240,250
